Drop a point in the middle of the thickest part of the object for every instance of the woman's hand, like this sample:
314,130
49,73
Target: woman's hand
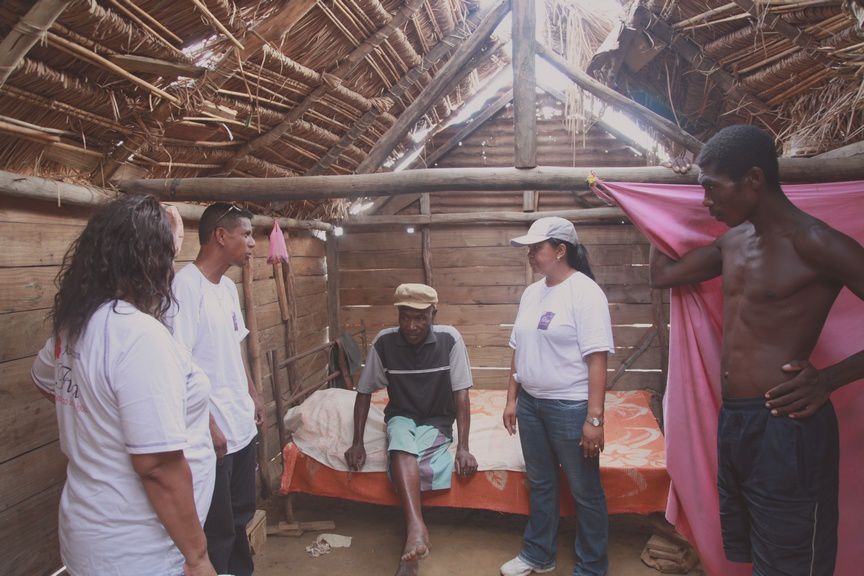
200,568
510,417
592,440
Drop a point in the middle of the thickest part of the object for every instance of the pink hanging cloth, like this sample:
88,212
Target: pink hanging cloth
673,218
278,249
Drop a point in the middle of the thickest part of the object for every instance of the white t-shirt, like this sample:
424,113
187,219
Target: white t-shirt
209,323
555,328
125,388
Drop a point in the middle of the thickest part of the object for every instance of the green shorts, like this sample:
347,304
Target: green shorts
429,444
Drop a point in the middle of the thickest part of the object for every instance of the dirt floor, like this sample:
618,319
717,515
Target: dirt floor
464,542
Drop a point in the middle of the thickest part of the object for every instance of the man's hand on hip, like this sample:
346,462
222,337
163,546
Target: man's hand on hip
801,396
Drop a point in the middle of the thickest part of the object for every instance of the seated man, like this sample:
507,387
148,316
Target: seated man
426,371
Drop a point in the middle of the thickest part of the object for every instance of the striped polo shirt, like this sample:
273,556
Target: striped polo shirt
420,380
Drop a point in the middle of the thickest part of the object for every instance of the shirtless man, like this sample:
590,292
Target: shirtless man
778,446
426,372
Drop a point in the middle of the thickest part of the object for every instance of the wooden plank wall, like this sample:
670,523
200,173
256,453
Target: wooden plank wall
34,237
480,279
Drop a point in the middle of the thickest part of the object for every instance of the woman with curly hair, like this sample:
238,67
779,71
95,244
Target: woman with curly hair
132,408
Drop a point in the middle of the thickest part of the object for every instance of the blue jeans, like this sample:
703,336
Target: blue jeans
550,432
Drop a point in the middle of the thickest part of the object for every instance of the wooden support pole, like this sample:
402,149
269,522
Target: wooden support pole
491,180
26,32
294,382
443,82
621,102
333,300
426,210
661,325
524,84
253,352
576,215
42,189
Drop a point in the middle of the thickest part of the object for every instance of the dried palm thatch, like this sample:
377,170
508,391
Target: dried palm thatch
799,59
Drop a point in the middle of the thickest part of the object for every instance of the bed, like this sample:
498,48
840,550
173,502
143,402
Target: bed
633,466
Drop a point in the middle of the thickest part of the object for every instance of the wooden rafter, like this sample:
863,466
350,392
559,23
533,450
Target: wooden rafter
211,81
494,180
659,123
26,33
333,78
450,73
693,53
430,59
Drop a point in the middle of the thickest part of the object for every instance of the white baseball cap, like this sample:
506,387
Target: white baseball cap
546,229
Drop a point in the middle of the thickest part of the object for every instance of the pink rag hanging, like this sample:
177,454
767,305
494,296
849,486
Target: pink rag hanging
673,218
278,249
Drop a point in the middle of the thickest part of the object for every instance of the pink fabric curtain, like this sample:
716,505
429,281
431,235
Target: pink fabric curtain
674,219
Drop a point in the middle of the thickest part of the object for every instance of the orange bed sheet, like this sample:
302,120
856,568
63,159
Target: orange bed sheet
633,469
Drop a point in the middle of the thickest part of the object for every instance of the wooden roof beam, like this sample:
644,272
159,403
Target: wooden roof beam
493,180
429,60
524,85
663,126
333,78
693,53
26,33
449,75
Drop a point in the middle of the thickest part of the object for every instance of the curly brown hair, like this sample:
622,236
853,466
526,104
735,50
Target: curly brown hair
126,252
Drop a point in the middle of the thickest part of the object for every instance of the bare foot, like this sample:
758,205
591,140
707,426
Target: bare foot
417,551
408,568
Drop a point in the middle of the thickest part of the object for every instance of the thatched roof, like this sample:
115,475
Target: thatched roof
794,67
91,95
152,88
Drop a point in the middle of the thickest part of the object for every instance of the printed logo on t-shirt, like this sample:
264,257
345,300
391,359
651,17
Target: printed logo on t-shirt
66,391
545,320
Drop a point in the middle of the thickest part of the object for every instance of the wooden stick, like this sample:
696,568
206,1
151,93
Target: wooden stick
280,291
97,60
643,346
143,13
333,297
621,102
134,17
490,180
577,215
216,23
277,398
26,32
253,349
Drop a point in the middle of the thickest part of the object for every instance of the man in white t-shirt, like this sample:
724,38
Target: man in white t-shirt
209,323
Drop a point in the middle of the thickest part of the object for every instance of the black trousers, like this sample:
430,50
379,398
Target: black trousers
232,508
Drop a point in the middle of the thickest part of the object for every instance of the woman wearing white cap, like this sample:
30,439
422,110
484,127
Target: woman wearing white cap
561,338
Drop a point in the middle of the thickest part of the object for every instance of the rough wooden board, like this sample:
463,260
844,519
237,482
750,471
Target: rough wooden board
31,473
27,419
28,288
33,520
23,333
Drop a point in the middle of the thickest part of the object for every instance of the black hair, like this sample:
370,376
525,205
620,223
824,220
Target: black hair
220,214
735,149
126,251
577,256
